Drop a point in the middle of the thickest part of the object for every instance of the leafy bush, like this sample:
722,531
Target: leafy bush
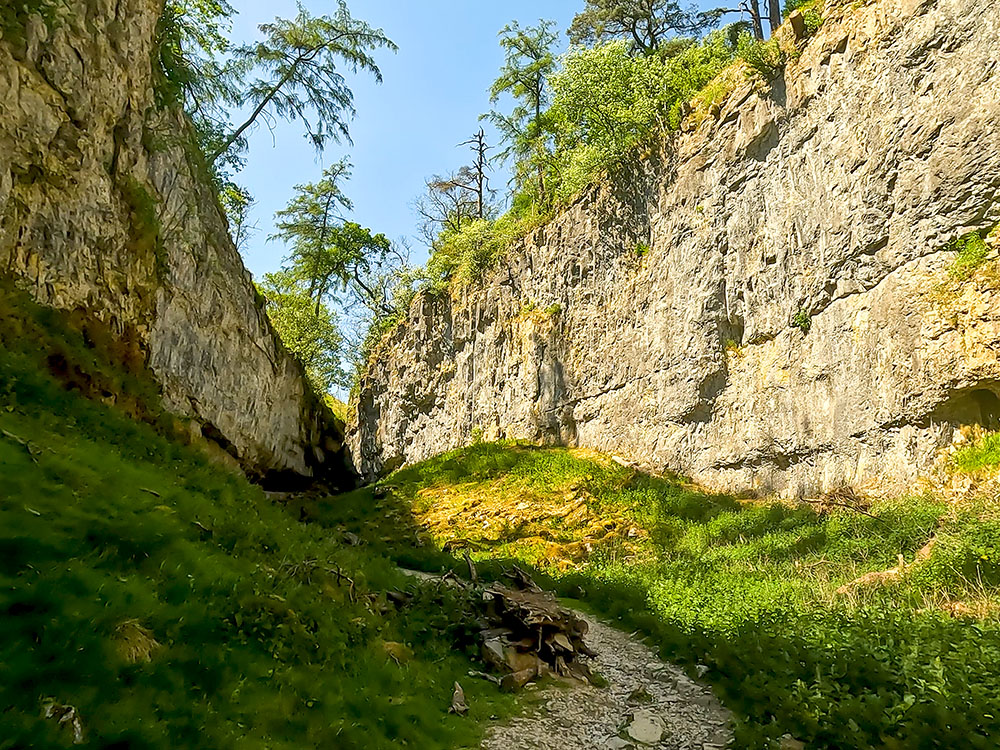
984,453
813,20
607,101
307,328
971,252
766,59
466,255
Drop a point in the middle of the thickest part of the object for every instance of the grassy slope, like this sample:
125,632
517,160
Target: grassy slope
173,606
745,588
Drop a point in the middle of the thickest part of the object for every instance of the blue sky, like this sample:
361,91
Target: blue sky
406,129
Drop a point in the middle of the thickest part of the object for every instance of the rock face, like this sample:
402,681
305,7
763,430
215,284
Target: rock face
765,302
105,208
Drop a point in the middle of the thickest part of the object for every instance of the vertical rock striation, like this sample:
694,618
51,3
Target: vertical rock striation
793,325
105,208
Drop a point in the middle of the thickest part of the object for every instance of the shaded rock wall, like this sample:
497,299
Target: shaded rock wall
104,208
830,200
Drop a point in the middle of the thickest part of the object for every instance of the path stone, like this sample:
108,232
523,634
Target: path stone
647,704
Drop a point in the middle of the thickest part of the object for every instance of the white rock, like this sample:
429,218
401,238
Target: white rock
646,727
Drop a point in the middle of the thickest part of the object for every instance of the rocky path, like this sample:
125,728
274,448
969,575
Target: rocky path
646,704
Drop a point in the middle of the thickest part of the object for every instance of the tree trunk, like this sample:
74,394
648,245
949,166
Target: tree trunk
758,27
774,15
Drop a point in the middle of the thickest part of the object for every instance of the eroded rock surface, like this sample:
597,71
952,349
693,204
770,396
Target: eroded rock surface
827,203
104,208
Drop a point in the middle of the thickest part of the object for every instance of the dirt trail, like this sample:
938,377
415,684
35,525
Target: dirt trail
647,704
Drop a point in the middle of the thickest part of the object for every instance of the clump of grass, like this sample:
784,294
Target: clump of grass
747,588
766,59
983,453
971,252
802,320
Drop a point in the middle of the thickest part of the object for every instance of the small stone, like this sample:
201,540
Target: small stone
646,728
790,743
617,743
513,682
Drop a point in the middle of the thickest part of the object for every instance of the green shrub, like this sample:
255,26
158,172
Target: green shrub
468,254
813,20
802,320
971,253
984,453
803,5
766,59
607,101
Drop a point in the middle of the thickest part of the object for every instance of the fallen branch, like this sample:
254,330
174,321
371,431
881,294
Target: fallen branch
847,506
891,574
22,442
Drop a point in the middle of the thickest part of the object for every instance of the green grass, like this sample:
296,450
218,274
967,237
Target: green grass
971,251
984,453
746,588
117,544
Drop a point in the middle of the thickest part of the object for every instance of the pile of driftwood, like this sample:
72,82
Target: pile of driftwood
530,635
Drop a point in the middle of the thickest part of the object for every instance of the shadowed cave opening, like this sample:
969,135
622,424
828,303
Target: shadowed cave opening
978,406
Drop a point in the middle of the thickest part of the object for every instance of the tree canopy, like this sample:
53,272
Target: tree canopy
529,60
645,24
311,333
294,73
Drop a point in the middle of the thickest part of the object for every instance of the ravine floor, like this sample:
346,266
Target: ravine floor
646,704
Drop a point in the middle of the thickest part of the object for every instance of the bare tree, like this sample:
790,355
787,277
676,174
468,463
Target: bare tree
447,204
480,179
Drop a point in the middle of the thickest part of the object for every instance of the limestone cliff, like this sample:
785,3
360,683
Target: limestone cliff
793,325
104,209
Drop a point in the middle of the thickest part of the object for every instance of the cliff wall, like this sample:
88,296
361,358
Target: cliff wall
105,209
794,325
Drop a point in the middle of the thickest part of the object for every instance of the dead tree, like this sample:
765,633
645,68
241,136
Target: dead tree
480,180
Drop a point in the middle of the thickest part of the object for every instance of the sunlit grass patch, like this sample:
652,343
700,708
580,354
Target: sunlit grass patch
843,626
983,453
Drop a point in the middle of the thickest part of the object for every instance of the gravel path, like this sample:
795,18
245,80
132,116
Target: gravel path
647,704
